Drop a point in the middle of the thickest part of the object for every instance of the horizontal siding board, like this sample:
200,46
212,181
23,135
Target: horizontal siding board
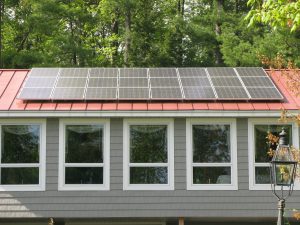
119,203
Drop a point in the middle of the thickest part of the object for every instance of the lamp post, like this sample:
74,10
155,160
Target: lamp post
283,170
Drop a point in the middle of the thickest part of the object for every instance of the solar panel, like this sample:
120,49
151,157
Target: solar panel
166,93
35,93
162,72
199,93
134,93
257,82
103,82
71,82
226,81
231,93
221,72
101,93
192,72
43,72
263,93
250,71
104,72
133,72
153,83
68,93
195,81
74,72
164,82
41,82
133,82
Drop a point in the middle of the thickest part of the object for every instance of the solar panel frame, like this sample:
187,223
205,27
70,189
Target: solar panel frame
257,81
162,81
104,72
192,72
136,93
43,72
136,82
74,72
133,73
35,93
195,81
68,82
221,72
250,71
231,93
205,93
102,82
162,72
270,93
226,81
166,93
39,82
63,93
96,93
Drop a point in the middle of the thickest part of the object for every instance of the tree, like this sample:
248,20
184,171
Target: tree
284,13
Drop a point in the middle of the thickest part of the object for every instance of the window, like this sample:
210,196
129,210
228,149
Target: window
23,146
211,154
259,174
84,154
148,154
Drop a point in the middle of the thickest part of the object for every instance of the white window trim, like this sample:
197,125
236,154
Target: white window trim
251,153
42,156
106,155
117,223
127,164
189,153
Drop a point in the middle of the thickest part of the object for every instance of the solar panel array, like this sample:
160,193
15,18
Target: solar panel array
222,83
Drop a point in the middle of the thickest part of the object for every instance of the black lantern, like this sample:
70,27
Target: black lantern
283,170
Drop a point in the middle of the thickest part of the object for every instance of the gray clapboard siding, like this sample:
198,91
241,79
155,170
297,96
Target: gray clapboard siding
118,203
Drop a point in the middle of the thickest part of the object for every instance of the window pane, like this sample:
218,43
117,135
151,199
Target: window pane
261,145
211,143
20,144
84,144
148,175
84,175
262,175
11,176
211,175
148,144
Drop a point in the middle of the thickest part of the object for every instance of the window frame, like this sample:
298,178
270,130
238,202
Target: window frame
233,153
126,157
251,149
42,156
106,155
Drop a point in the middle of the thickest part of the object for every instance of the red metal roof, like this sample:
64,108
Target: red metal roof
12,80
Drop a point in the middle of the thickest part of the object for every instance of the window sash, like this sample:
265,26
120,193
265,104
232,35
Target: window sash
252,122
231,122
105,126
127,123
41,165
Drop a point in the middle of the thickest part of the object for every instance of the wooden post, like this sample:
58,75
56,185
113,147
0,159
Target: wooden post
181,221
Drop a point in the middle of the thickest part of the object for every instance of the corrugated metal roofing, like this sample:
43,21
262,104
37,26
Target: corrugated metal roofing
12,80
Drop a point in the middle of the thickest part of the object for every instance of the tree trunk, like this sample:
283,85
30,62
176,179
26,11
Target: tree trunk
219,7
115,31
179,34
127,35
1,35
74,54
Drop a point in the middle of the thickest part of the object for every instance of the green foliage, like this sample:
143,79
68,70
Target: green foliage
283,13
79,33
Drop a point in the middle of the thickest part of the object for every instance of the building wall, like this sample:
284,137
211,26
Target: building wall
242,204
